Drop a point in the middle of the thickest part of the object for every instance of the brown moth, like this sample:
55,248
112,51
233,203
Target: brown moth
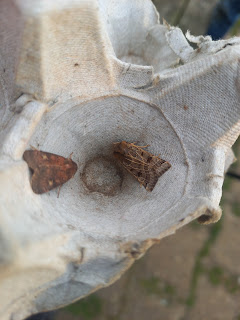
144,166
49,170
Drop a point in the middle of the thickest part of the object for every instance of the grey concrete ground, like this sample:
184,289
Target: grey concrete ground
193,274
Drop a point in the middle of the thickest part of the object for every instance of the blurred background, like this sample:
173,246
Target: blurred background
195,273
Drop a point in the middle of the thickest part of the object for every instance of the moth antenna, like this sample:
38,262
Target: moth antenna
140,146
32,147
59,190
70,156
136,161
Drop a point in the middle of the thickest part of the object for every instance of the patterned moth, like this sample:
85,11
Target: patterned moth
144,166
49,170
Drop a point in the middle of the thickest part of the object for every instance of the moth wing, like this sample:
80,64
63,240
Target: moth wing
159,165
137,153
147,175
144,156
36,158
136,168
151,180
31,157
47,178
147,178
133,168
144,166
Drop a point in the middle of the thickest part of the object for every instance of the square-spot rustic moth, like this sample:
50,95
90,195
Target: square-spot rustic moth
49,170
